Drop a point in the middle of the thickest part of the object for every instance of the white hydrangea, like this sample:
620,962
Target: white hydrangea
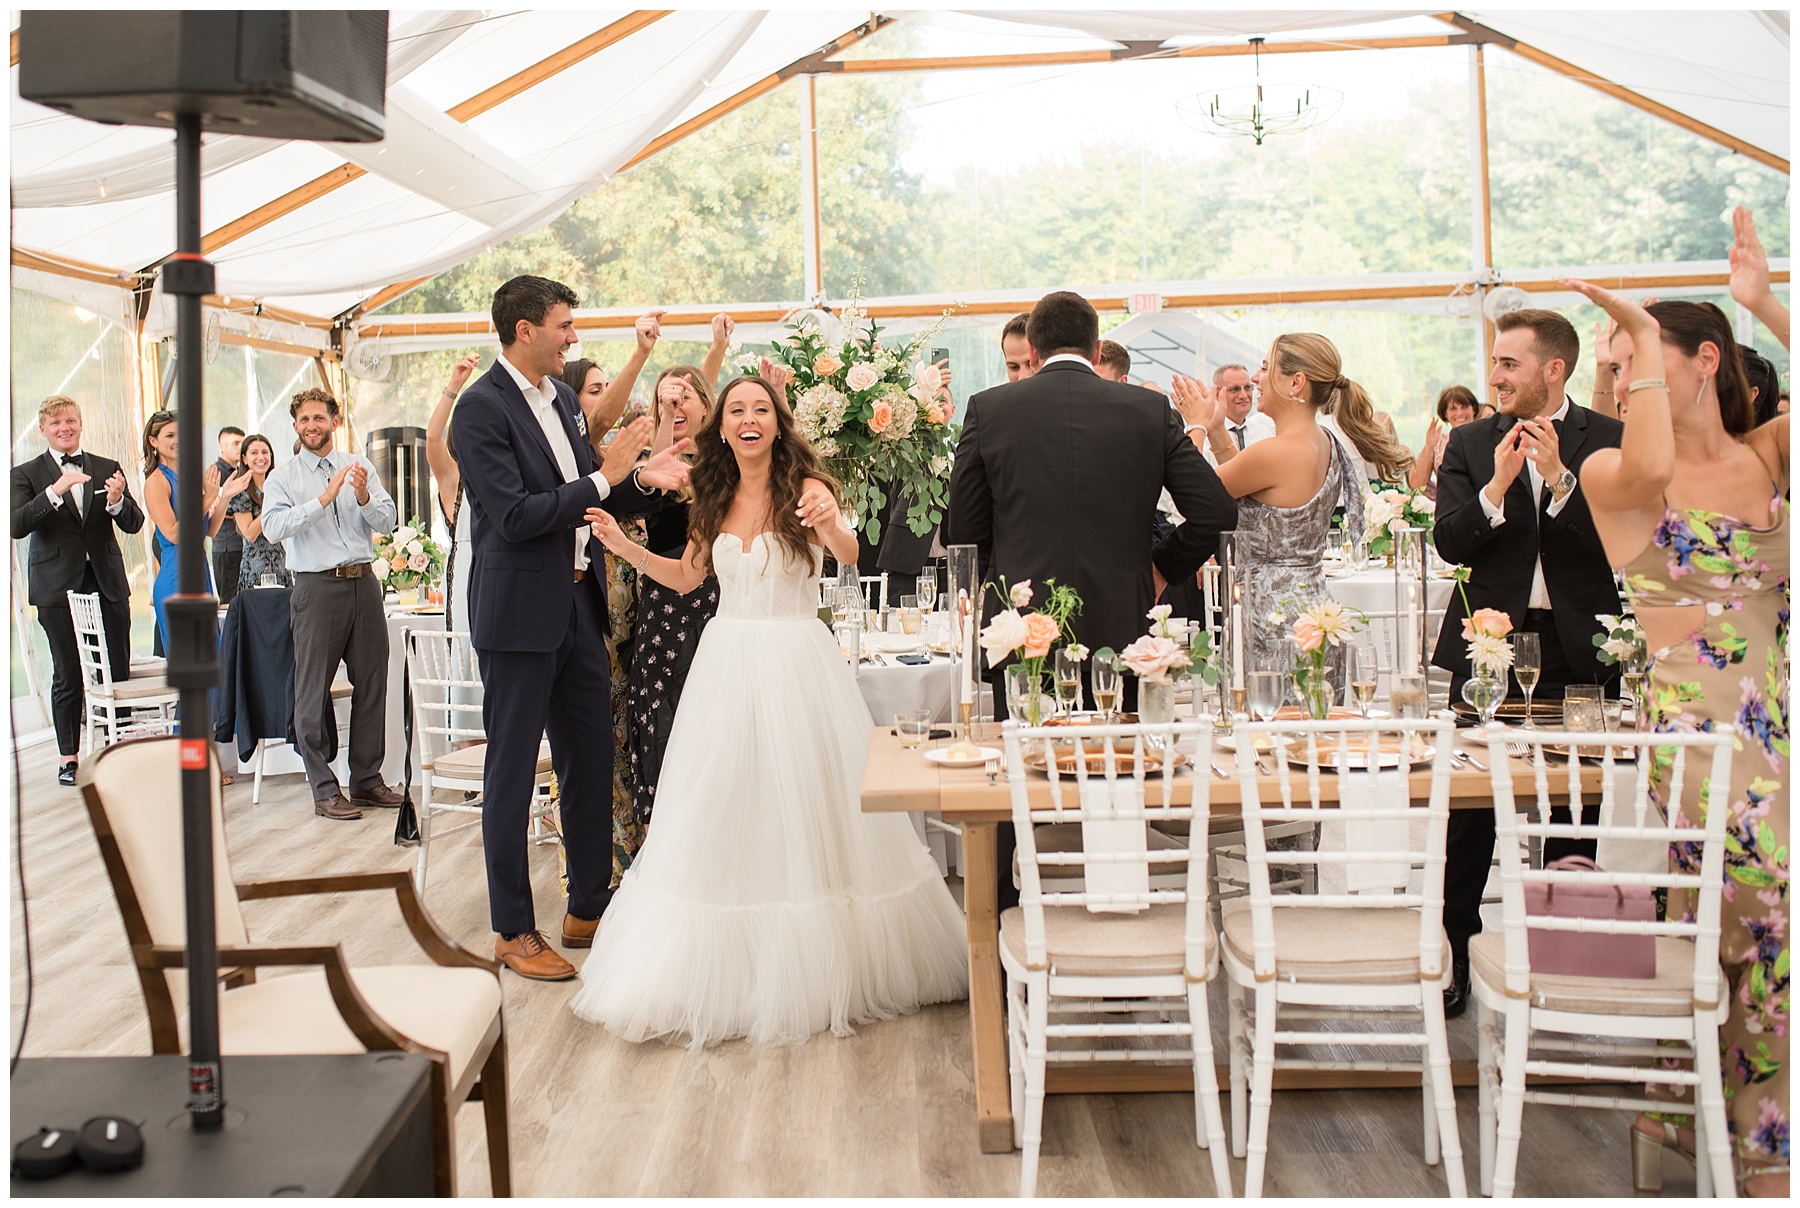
819,411
906,414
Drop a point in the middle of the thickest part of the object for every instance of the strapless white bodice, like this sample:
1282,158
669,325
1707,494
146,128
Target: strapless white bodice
763,582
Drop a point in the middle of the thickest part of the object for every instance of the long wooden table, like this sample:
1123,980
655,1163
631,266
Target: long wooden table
897,780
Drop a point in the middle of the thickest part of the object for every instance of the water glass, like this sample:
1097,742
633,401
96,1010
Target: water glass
910,617
269,579
1406,694
913,727
1267,689
1582,709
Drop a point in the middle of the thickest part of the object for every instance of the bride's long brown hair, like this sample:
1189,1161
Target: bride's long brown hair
714,479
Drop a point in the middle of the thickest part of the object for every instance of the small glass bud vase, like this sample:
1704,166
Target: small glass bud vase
1156,701
1484,693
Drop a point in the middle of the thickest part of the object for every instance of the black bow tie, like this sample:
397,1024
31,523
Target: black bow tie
69,460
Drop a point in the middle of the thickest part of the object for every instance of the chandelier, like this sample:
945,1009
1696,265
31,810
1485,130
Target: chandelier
1257,111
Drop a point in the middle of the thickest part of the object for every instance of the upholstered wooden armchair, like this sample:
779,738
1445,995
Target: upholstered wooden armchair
448,1010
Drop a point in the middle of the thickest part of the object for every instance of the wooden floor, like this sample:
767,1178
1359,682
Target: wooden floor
888,1112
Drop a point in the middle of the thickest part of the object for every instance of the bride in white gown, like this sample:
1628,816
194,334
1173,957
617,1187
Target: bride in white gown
764,904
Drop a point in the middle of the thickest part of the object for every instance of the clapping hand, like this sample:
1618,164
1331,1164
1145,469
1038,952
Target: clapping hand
359,481
627,443
818,508
70,476
1509,459
777,375
230,489
209,486
1541,445
666,471
329,495
115,488
1197,402
649,330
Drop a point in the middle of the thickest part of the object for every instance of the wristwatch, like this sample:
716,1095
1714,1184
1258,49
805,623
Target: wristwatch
1561,486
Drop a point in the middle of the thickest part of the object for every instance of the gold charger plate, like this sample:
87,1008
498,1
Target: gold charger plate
1513,710
1356,755
1593,754
1124,761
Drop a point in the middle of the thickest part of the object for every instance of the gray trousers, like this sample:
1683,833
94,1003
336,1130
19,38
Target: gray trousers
339,620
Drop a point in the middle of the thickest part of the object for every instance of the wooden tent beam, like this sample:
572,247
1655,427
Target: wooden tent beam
476,105
80,270
228,336
1138,52
1618,92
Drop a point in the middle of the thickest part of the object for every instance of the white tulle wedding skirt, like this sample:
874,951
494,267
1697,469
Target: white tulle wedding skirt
764,904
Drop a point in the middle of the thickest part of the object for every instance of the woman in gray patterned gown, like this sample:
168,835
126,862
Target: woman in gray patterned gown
1288,485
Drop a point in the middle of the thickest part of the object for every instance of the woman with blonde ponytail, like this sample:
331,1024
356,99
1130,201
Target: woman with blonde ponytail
1367,435
1287,485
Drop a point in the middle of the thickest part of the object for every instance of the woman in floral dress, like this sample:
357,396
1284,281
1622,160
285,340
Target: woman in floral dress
1692,506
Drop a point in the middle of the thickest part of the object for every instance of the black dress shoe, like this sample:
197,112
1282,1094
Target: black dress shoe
1456,998
65,775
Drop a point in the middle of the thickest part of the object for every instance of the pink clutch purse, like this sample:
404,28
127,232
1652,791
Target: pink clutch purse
1590,954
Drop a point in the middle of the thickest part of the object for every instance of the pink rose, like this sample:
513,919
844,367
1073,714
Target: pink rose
825,364
930,378
1490,622
1152,657
1003,635
1307,635
1021,594
883,416
861,377
1040,632
419,563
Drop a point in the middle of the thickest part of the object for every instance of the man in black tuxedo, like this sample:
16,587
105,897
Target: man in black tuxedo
537,608
1510,508
69,502
1057,477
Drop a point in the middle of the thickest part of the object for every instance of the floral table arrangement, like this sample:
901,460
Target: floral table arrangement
878,413
1316,629
1394,507
408,559
1030,635
1165,655
1490,654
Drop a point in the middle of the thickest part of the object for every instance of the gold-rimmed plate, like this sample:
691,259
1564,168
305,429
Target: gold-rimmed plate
1124,761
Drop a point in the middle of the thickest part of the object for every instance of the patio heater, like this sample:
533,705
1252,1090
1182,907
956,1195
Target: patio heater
279,75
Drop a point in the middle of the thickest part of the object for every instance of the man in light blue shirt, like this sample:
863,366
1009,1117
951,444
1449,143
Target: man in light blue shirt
325,507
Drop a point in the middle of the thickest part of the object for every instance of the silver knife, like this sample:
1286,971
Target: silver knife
1470,760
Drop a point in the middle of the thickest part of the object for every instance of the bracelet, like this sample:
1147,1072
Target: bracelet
1647,384
642,561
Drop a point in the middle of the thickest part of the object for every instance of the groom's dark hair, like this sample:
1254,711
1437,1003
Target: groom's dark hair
1063,322
530,299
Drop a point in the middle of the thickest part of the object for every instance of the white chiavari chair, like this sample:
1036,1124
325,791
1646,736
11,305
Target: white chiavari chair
1371,950
138,708
1604,1029
449,739
1122,965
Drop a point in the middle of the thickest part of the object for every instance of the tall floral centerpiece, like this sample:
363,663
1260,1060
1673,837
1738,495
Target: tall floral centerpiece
1030,635
877,411
408,559
1394,507
1316,629
1490,654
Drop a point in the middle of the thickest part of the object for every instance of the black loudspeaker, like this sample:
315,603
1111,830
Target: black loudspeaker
293,74
399,458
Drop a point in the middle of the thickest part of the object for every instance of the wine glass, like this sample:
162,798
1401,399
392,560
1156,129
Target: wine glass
1068,682
1267,690
1106,688
927,589
1365,674
1528,663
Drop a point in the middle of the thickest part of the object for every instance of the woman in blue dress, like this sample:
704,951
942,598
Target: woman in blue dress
160,468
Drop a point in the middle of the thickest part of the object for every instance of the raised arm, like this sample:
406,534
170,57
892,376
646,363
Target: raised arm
437,448
1750,277
1419,476
722,327
613,400
1206,507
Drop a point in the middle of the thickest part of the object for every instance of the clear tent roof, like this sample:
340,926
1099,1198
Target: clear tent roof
464,168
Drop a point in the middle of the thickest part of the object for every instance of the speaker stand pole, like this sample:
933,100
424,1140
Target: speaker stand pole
192,640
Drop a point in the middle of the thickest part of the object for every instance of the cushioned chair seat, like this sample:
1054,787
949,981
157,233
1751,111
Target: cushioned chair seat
1670,992
134,689
468,762
444,1009
340,689
145,667
1082,944
1066,837
1322,943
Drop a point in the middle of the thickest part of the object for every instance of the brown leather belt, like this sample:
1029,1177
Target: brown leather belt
580,573
355,570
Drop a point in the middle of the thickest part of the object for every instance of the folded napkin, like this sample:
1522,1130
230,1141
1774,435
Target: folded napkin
1112,821
1358,790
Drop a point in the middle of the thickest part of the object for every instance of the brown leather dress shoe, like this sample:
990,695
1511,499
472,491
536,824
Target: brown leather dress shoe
579,932
380,795
336,808
530,955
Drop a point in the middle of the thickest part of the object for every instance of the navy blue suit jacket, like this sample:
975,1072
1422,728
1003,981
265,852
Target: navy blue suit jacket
522,576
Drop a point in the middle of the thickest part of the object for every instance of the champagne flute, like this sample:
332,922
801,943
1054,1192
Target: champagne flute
1106,688
1068,682
1365,674
1528,664
927,589
1633,675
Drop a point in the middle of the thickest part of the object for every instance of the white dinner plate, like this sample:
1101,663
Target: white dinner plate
897,644
941,755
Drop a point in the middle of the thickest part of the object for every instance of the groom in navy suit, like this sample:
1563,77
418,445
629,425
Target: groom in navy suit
537,608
